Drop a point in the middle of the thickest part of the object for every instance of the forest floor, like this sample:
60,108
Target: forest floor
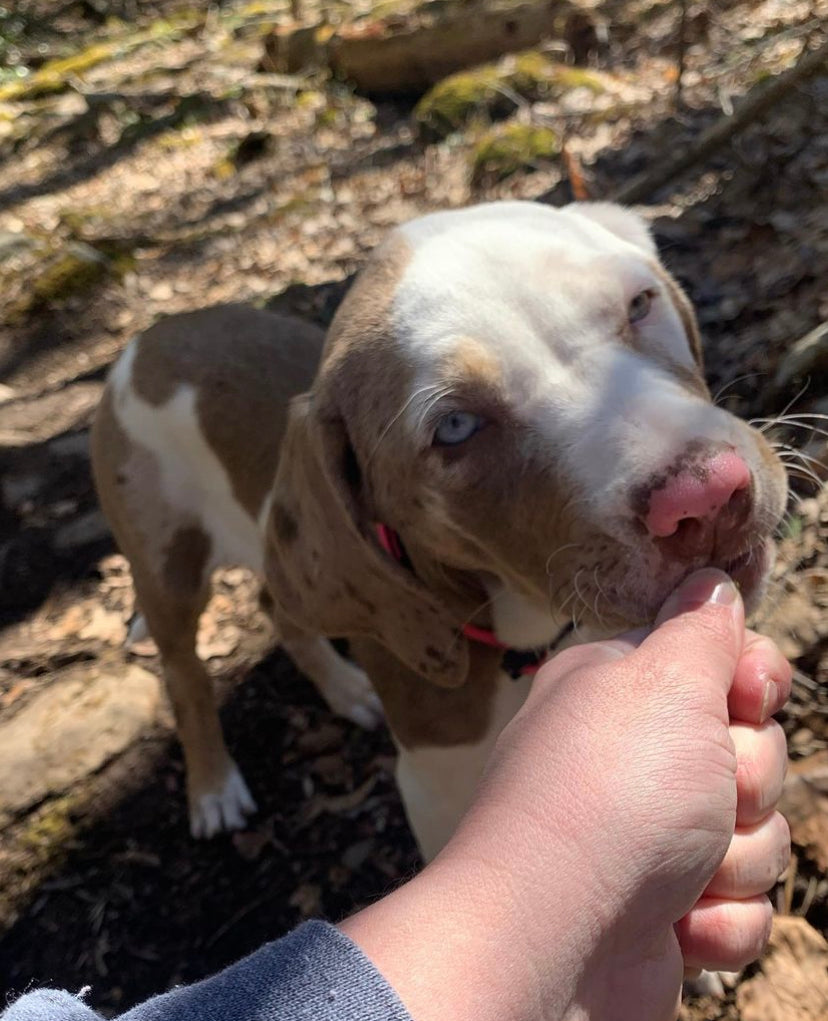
158,168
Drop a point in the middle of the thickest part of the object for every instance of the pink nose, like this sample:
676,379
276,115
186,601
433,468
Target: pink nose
700,491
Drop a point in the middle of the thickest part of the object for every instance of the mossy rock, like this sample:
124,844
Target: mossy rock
492,91
55,75
77,269
50,830
508,148
456,100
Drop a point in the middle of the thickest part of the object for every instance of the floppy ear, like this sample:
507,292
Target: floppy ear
629,226
326,572
685,311
624,223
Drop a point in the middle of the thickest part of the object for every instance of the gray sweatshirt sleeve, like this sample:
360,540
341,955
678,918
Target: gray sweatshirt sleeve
315,973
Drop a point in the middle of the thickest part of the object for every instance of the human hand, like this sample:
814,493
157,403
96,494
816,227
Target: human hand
624,830
646,770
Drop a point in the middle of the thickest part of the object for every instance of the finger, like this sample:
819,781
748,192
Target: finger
762,680
581,657
757,856
761,763
724,935
761,683
701,623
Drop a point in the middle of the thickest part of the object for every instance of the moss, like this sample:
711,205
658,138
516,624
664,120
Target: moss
77,269
455,100
566,79
50,829
507,148
180,138
493,90
224,168
54,74
66,276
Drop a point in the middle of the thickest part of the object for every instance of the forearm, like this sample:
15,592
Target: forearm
455,947
313,974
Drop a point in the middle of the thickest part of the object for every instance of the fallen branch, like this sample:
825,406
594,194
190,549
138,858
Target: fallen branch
410,53
754,105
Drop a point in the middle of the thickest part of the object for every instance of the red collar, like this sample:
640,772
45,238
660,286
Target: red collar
516,662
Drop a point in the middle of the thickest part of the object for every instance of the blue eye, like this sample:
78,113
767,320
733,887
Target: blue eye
457,427
640,306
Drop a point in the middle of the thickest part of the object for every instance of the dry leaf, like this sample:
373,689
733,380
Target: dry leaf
69,625
792,984
804,804
307,899
251,843
14,693
340,803
221,642
104,626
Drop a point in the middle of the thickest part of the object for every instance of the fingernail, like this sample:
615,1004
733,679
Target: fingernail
705,586
768,692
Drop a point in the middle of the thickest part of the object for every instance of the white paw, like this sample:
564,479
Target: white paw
223,809
351,694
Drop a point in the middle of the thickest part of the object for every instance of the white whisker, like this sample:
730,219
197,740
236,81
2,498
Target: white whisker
739,379
432,388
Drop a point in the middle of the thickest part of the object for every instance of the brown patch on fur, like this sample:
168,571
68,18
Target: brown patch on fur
470,361
334,579
364,312
273,358
423,715
685,311
355,589
124,474
185,559
691,379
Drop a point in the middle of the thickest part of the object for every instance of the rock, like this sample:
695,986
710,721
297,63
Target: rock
76,270
12,242
507,148
291,48
407,52
33,419
72,728
494,90
792,983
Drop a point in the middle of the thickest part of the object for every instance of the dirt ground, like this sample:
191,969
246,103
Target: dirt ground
163,167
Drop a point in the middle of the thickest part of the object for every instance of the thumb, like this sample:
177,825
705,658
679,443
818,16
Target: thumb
701,626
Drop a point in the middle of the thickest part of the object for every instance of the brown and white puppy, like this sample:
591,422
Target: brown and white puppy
517,392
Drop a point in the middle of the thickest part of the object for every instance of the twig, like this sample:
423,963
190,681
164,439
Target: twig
756,103
681,54
575,173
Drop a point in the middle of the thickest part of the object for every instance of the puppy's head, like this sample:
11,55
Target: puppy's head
518,392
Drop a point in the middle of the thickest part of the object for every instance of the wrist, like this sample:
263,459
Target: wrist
457,943
477,938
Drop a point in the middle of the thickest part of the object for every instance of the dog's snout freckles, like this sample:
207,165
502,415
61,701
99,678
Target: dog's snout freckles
700,489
